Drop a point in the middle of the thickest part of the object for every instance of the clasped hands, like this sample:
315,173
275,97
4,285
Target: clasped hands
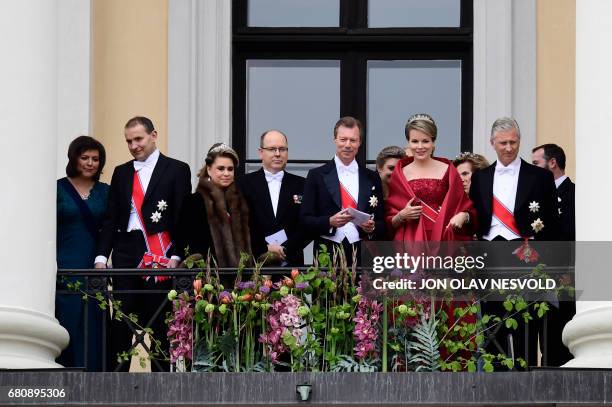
343,217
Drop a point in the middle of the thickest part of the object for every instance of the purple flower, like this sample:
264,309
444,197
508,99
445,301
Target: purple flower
282,318
365,332
322,274
225,297
244,285
302,286
264,289
180,330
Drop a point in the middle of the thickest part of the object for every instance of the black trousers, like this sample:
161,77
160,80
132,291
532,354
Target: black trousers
127,253
521,342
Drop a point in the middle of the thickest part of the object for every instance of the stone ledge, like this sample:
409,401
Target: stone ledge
560,386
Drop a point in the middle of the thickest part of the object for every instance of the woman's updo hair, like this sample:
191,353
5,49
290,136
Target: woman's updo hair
218,150
77,147
478,161
422,122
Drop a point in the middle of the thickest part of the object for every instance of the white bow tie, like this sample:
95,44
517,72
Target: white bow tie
274,177
349,169
139,165
504,170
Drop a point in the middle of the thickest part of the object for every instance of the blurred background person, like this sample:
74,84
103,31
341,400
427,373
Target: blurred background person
426,199
386,161
216,215
81,204
467,163
552,158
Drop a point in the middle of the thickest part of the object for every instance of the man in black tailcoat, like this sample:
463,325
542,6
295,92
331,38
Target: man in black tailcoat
274,197
515,201
144,200
341,184
552,158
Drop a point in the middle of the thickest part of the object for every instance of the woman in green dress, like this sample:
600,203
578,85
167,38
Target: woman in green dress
81,203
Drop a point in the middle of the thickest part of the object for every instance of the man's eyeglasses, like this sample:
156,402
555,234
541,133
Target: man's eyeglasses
275,150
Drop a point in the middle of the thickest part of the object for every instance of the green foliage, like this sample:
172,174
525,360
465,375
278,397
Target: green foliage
203,358
425,346
345,363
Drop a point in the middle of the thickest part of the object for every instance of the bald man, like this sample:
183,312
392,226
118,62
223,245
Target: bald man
274,197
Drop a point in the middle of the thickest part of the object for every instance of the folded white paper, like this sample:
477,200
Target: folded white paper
277,238
358,216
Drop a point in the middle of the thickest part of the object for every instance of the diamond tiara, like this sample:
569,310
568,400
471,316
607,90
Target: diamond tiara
421,116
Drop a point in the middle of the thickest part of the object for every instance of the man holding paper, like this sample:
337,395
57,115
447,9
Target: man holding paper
274,197
343,201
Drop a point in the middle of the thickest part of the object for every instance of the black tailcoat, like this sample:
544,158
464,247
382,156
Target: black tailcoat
535,184
567,208
322,200
170,182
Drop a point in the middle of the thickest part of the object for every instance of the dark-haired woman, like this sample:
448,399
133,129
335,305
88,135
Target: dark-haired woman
216,216
81,203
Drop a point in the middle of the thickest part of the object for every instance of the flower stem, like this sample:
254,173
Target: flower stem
385,323
237,339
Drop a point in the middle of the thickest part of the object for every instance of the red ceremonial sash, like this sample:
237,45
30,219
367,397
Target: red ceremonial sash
157,243
347,199
505,216
429,212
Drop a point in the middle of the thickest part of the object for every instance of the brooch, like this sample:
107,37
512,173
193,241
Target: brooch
373,201
537,225
534,206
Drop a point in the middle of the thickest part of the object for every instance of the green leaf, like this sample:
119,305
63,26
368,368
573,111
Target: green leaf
542,310
520,305
511,323
479,339
508,305
487,366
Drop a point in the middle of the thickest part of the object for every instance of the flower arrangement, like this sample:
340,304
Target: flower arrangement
319,320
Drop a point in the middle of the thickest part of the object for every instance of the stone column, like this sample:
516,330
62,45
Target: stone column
199,78
30,336
589,334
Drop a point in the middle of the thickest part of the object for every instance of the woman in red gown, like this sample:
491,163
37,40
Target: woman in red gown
427,203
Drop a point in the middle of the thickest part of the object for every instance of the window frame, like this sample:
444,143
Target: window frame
353,44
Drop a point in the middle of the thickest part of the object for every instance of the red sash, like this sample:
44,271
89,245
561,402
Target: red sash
157,243
505,216
347,199
429,212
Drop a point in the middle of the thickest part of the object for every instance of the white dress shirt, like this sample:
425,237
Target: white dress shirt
145,171
274,187
560,180
349,178
505,182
